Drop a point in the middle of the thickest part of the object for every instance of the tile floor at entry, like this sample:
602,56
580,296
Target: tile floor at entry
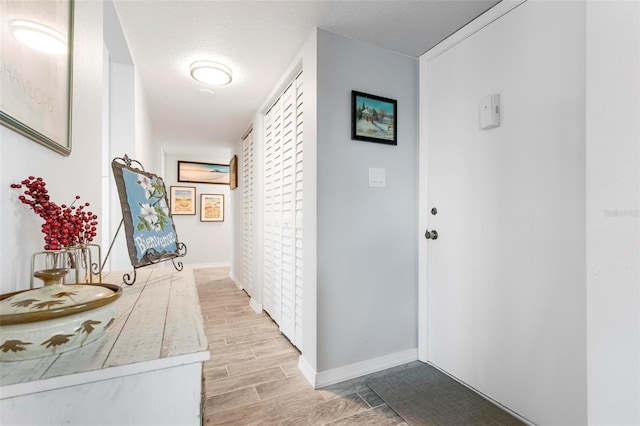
253,378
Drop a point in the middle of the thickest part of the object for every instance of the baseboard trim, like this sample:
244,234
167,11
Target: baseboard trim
340,374
209,265
257,307
307,371
235,280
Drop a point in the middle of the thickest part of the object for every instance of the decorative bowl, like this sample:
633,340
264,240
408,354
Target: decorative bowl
54,319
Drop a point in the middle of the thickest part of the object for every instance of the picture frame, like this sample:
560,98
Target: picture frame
374,118
182,200
197,172
233,172
36,84
211,208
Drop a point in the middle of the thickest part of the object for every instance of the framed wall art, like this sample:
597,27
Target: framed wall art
36,54
374,118
211,207
233,172
182,200
196,172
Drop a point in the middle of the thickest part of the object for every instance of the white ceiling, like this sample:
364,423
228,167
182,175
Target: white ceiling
257,40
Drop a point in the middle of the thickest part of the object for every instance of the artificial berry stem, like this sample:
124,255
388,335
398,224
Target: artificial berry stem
64,226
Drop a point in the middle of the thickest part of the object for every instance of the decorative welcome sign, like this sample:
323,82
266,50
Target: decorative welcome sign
150,233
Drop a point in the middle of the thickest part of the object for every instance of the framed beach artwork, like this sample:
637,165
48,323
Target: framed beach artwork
183,200
36,51
233,172
196,172
211,207
373,118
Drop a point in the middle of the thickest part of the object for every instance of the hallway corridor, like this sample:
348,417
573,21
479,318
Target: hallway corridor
252,376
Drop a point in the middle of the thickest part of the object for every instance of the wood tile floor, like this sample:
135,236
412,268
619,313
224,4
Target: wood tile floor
253,378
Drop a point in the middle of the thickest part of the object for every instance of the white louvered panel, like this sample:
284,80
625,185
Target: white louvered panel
277,213
273,184
287,325
267,292
288,152
298,209
247,213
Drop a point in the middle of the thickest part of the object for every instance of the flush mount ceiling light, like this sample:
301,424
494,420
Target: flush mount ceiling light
39,37
211,73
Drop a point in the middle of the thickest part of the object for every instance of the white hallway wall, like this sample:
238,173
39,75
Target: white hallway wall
208,243
127,128
367,248
613,212
80,173
122,129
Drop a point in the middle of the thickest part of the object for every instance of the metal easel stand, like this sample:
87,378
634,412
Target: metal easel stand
153,258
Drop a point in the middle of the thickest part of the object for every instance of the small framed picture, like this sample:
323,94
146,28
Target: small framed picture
233,172
183,200
211,207
374,118
195,172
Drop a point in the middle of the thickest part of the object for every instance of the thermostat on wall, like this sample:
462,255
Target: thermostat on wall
490,111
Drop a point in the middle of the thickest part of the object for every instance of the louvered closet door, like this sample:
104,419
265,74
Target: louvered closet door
272,294
299,137
267,291
282,297
247,213
276,228
287,323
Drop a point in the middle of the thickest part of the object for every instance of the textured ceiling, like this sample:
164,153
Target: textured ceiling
257,40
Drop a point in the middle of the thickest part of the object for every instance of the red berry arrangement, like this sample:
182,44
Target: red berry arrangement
64,226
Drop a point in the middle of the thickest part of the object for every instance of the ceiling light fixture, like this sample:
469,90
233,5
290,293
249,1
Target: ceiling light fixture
211,73
39,37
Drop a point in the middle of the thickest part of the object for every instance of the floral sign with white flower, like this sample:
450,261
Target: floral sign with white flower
149,228
155,212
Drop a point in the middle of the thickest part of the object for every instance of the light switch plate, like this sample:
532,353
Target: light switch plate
377,178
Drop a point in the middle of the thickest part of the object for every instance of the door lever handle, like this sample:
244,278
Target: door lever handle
431,235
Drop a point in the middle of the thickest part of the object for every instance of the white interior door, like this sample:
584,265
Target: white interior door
502,287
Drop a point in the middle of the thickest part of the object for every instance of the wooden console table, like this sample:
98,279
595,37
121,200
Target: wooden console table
146,370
